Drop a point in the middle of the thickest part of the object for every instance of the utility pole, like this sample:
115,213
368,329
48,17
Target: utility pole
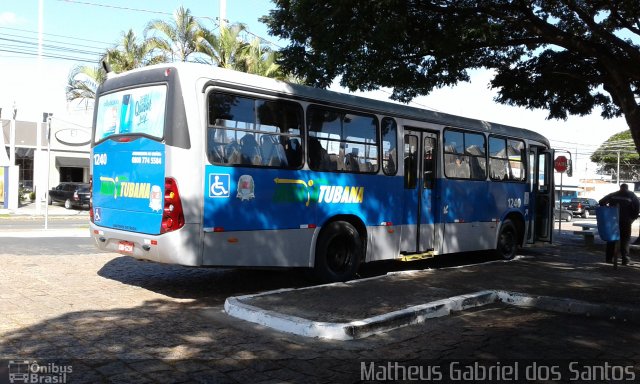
618,171
223,14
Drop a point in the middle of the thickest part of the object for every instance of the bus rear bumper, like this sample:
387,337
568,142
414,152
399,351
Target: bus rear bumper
169,248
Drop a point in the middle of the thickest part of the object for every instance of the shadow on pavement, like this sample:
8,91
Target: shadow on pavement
210,286
172,340
213,285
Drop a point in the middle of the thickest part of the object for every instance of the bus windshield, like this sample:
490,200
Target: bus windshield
132,111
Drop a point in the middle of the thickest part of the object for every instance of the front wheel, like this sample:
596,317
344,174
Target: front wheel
507,240
338,252
585,214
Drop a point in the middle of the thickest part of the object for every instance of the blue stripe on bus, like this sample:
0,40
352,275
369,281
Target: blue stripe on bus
244,199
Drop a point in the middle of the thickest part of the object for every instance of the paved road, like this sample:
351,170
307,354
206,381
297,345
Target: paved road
28,223
21,246
115,319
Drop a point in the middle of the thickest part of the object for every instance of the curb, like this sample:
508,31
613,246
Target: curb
235,307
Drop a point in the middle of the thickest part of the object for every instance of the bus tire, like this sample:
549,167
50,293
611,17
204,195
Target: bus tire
338,252
507,240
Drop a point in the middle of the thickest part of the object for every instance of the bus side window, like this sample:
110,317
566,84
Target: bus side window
389,146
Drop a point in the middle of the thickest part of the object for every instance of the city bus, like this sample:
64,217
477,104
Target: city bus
206,167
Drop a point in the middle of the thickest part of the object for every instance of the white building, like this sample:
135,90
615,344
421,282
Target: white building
43,159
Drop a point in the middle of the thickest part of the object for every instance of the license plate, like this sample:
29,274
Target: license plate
125,247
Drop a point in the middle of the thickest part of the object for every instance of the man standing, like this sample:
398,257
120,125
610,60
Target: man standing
628,209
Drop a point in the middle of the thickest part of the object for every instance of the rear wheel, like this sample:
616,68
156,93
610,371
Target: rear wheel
67,203
585,214
568,217
338,252
507,240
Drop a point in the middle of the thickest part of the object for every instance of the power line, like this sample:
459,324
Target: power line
52,34
214,20
116,7
50,56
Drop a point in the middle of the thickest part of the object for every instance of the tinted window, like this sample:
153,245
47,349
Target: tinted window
254,132
342,141
465,155
389,146
507,159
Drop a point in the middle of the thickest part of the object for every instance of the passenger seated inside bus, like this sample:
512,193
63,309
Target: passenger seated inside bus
351,160
456,167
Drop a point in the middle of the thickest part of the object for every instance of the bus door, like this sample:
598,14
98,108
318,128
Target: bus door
541,195
418,232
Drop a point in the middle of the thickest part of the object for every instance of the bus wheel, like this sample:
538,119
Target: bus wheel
507,240
338,252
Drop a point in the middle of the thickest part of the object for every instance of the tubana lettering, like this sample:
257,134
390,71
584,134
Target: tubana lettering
334,194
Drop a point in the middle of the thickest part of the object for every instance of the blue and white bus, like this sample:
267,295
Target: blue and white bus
201,166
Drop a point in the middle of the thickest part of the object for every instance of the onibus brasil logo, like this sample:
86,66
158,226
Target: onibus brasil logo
25,371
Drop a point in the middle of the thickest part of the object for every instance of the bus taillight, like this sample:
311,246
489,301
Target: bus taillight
91,198
173,217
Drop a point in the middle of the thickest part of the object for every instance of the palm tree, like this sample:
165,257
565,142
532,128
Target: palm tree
261,60
129,54
82,83
178,37
224,50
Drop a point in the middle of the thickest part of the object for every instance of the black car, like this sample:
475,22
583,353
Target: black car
582,206
563,214
71,194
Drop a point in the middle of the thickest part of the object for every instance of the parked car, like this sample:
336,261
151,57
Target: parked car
563,214
581,206
71,194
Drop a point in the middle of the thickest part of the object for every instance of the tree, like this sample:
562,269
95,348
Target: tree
82,83
565,56
261,60
225,49
618,147
176,38
131,54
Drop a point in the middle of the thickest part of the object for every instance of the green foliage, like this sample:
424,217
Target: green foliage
176,39
182,38
567,57
606,156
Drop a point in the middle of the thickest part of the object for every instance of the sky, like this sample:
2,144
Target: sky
77,32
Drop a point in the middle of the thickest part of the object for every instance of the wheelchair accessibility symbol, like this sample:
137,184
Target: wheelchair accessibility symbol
219,185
